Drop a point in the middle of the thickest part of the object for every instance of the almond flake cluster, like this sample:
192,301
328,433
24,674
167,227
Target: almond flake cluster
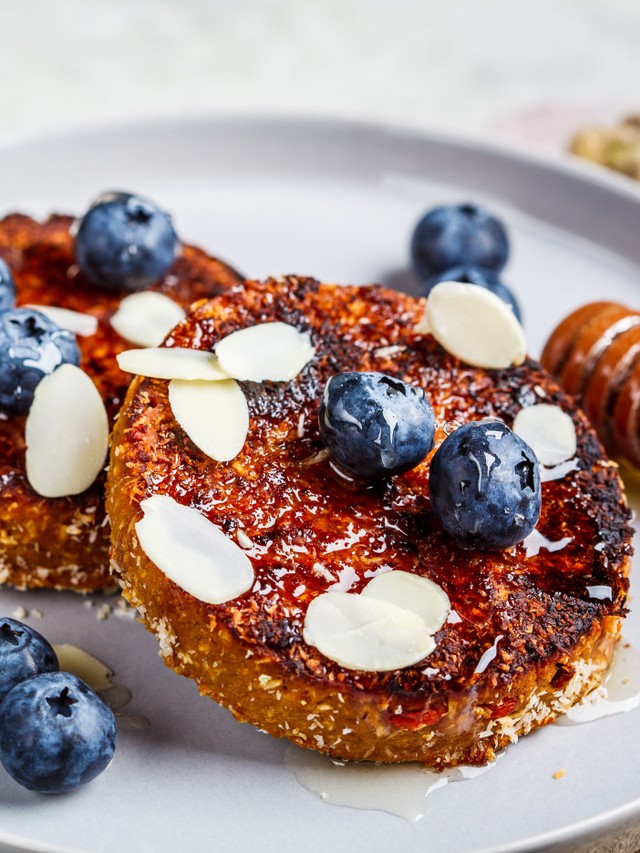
205,397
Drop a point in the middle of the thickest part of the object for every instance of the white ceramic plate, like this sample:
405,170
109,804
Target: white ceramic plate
338,201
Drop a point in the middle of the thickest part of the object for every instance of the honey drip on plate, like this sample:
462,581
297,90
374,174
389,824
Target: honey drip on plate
98,676
402,789
398,789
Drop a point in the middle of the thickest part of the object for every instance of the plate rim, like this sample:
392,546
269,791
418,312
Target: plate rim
561,162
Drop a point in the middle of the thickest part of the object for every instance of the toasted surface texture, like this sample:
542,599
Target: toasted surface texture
309,528
64,542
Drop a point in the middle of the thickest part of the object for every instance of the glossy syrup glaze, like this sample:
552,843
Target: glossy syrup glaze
311,528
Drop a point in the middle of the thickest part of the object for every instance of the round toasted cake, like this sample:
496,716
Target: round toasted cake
63,543
525,638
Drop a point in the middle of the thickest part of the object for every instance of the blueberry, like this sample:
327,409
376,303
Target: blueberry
31,347
476,275
125,242
375,426
456,235
23,653
55,733
7,287
484,486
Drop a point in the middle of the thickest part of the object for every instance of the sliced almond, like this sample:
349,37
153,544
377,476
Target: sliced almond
214,415
146,318
549,432
73,321
365,633
412,592
67,434
475,325
171,363
192,551
273,352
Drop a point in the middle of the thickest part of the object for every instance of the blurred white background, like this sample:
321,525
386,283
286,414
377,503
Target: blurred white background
529,72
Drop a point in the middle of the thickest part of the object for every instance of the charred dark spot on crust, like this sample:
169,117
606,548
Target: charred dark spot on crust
277,634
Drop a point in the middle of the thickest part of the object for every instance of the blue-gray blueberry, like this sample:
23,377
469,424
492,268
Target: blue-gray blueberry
374,425
31,347
484,486
55,733
7,287
456,235
23,653
125,242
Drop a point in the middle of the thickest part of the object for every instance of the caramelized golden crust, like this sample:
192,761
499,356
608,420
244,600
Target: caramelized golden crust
64,543
310,528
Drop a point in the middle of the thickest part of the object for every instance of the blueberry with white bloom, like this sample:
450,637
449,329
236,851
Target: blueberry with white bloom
55,733
23,653
455,235
7,287
31,347
374,425
484,486
125,242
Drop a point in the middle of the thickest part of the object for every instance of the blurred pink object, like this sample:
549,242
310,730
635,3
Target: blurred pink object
553,125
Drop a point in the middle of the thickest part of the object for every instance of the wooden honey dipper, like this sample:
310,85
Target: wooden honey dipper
594,353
